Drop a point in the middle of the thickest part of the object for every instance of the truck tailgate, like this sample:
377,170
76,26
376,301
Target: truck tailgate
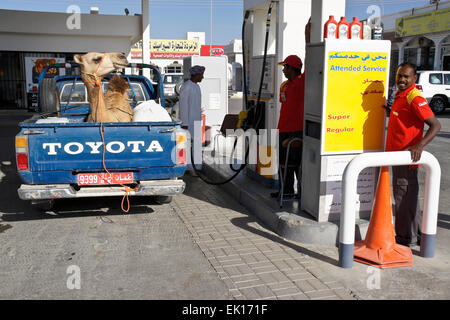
78,147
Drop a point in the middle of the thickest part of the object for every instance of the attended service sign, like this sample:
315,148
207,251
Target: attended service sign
356,91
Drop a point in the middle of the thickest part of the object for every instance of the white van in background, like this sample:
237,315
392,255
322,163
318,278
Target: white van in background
170,80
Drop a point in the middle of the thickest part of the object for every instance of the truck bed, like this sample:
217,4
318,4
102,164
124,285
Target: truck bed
60,151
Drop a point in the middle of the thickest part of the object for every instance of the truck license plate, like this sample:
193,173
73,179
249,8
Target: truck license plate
104,178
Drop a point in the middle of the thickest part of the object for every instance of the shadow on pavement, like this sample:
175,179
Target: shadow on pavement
444,134
244,224
445,114
443,221
77,208
14,209
195,189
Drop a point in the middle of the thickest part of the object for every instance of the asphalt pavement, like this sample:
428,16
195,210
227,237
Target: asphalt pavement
202,246
146,254
206,244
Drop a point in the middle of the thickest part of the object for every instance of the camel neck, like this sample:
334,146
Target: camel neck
93,96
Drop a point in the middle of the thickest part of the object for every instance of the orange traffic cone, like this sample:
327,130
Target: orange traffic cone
379,249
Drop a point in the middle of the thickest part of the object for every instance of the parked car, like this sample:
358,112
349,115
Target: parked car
170,80
435,87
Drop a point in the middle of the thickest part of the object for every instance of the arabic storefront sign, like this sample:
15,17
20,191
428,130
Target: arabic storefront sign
356,90
168,49
433,21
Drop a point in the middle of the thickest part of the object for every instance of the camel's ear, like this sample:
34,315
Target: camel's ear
78,58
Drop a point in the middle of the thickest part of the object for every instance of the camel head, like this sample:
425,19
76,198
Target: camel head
90,61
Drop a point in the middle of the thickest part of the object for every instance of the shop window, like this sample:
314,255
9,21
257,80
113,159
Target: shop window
427,58
173,69
411,55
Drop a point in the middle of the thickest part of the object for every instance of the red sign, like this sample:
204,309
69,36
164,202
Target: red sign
216,50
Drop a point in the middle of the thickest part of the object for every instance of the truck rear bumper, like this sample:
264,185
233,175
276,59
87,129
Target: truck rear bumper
59,191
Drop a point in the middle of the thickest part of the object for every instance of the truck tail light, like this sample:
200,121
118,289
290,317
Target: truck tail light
181,157
419,86
180,150
22,161
22,153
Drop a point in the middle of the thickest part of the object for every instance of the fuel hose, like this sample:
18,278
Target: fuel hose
258,112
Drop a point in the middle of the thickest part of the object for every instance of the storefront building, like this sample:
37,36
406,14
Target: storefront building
31,40
168,54
420,36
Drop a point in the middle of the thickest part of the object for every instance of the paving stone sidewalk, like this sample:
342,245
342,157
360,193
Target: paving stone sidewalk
254,262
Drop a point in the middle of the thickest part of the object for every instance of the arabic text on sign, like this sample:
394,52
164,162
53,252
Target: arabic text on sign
357,69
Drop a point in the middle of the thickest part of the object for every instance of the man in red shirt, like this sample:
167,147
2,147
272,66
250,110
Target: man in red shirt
290,123
407,116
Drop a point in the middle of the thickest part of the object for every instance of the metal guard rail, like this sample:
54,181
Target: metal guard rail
349,193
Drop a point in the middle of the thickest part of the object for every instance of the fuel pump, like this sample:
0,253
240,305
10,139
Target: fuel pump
259,92
260,89
259,50
345,87
273,30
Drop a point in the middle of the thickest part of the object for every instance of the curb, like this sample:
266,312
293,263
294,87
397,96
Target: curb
287,225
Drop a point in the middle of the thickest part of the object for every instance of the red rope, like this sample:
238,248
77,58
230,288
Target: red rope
100,105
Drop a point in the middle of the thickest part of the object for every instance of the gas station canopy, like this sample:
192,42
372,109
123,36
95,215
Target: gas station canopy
27,31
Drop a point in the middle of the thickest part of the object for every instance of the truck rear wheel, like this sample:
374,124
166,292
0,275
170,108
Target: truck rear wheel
48,96
164,199
43,205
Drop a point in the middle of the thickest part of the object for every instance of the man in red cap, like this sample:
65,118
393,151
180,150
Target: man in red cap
290,123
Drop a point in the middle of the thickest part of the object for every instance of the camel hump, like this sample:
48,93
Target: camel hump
119,84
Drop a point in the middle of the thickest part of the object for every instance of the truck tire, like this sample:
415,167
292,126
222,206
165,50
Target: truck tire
48,96
438,105
164,199
43,205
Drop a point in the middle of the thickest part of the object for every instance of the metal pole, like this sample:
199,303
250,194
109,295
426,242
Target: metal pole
146,36
210,28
